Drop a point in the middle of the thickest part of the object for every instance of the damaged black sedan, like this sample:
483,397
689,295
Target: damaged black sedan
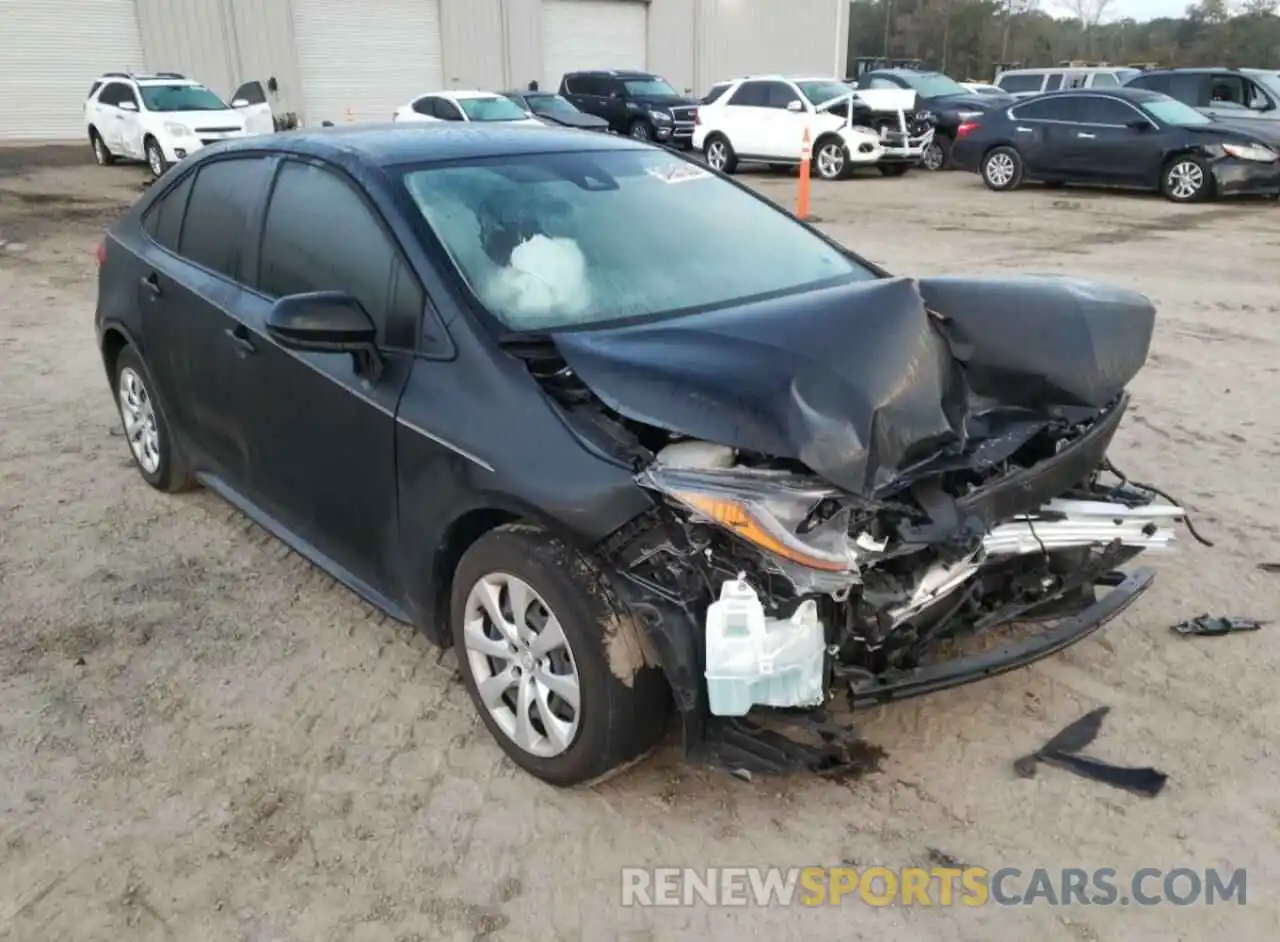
626,435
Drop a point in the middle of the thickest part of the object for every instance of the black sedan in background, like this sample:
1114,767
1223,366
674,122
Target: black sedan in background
1125,137
940,98
556,109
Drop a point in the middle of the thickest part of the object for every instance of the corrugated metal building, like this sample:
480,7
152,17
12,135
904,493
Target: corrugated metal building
358,59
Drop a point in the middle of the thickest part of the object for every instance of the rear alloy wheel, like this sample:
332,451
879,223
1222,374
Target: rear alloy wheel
155,159
1002,169
101,155
551,659
937,156
145,428
1186,180
718,154
831,160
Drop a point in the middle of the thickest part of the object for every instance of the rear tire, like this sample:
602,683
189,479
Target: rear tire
718,154
604,705
1002,169
146,430
1186,179
102,156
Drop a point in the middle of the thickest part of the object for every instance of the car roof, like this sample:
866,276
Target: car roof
1045,70
460,94
1123,92
615,73
1199,70
389,145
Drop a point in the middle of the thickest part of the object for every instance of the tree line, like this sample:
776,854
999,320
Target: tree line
971,39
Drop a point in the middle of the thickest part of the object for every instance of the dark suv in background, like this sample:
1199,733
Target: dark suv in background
1244,98
640,104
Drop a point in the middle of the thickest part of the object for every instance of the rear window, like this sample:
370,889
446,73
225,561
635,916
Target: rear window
1020,83
537,239
717,91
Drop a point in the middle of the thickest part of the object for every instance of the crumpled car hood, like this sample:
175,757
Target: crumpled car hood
864,382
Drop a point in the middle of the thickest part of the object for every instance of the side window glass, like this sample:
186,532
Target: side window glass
163,221
110,95
224,201
126,94
321,236
250,92
587,85
1104,80
425,106
1106,111
751,95
1053,82
780,95
1055,109
714,94
447,110
1187,89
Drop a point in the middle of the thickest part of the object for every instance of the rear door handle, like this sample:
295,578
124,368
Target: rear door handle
1022,130
151,283
1086,136
240,337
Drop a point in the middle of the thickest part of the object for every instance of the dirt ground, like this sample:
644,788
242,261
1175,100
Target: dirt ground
203,738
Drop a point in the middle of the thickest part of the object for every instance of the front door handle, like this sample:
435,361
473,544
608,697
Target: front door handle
151,283
1086,136
240,337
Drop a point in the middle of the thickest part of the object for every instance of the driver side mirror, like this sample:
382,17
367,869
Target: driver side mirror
326,322
128,106
795,105
240,103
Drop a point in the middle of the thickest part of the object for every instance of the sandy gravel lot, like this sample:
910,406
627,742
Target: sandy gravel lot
202,738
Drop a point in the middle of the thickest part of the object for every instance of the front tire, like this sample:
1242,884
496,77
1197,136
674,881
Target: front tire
831,159
553,662
1002,169
1186,179
145,427
102,156
156,159
937,156
640,130
718,154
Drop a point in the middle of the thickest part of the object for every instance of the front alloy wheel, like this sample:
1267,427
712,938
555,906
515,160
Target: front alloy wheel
1185,180
552,660
640,131
830,160
155,159
522,665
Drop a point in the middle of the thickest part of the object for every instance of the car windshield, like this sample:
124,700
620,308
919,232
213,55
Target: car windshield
491,109
180,98
537,239
1172,111
822,91
650,88
932,84
549,104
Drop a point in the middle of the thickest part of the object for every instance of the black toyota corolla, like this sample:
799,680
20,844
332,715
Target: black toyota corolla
725,466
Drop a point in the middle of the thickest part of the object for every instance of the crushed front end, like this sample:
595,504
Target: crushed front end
885,491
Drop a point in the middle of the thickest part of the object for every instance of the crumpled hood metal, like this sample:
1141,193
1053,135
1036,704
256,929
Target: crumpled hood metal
861,382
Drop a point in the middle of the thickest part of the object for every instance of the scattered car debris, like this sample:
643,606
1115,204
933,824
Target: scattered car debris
1216,625
1063,751
940,858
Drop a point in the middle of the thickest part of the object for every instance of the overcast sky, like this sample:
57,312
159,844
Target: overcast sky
1146,9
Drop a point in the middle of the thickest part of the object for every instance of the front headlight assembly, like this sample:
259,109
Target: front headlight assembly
801,529
659,117
174,129
1254,152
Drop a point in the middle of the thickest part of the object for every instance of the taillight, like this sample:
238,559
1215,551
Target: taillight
100,253
967,128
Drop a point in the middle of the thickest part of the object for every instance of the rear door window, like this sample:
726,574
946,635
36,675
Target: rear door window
1098,110
751,95
446,110
715,93
1049,109
221,209
1104,80
320,235
1189,88
1020,83
1053,82
163,221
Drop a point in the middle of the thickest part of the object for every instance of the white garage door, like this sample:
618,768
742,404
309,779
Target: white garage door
50,54
359,62
592,34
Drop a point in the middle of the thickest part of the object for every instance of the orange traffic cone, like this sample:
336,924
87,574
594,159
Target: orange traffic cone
802,193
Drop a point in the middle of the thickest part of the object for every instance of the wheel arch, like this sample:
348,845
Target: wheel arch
114,339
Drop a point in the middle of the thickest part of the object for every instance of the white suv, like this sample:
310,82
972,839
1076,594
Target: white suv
762,119
159,118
